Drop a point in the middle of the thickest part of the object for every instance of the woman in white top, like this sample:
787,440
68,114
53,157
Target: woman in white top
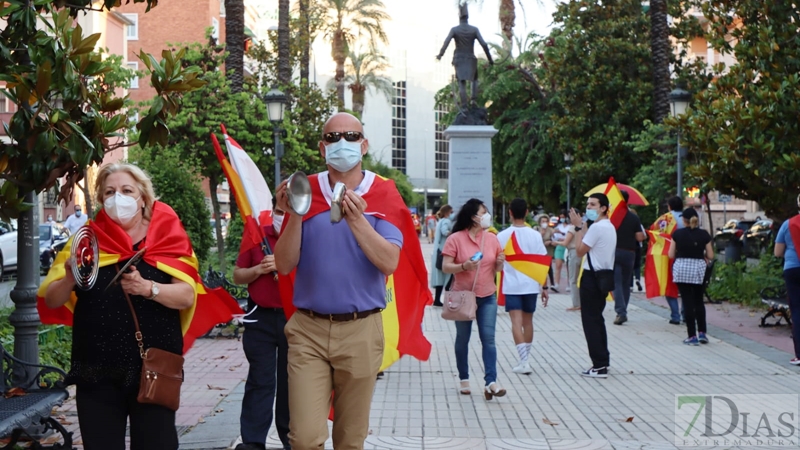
559,235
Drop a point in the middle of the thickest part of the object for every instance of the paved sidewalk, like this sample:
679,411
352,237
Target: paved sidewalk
417,406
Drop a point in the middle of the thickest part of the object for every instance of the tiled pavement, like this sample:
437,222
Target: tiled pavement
416,405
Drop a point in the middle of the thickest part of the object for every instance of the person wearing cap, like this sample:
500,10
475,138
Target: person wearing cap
692,250
786,248
75,221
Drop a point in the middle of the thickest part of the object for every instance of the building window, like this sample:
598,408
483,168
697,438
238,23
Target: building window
133,29
442,146
133,65
399,126
3,102
215,27
222,8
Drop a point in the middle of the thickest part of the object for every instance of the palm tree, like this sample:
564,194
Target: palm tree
660,50
365,72
305,40
344,23
234,42
284,66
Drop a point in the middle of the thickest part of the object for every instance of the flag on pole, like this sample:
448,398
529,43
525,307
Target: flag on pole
618,208
249,189
658,266
533,266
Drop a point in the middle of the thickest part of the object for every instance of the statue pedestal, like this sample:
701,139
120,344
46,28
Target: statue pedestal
470,164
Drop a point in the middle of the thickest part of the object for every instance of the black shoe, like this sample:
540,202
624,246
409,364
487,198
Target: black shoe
553,288
620,320
639,285
251,446
675,322
601,372
380,375
435,303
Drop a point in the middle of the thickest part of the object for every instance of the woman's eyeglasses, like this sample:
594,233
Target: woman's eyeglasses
349,136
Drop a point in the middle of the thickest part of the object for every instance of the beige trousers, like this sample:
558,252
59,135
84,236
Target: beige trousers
325,356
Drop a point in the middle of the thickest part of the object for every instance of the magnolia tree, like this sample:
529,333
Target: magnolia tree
62,124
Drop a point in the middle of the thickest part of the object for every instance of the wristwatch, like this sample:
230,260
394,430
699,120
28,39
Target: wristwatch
153,290
578,228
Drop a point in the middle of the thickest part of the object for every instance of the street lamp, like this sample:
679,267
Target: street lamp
568,167
276,105
679,101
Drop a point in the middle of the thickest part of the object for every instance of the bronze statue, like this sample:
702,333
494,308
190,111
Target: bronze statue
464,60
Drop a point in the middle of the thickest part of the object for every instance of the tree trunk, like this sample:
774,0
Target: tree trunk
507,17
213,182
305,41
87,196
359,92
660,49
339,55
234,43
284,66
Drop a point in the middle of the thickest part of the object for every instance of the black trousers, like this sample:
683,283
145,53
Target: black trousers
103,410
637,265
266,350
693,307
593,302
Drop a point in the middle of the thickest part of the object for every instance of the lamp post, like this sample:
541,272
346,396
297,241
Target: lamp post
679,101
568,167
276,105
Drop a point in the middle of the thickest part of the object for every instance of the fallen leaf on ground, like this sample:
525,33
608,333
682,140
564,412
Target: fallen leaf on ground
218,410
629,419
630,372
220,357
548,422
741,324
201,420
232,368
215,388
15,392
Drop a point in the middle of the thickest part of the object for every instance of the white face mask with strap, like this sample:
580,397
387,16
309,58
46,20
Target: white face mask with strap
121,208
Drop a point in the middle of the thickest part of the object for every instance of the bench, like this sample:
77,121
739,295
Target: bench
777,301
214,279
25,407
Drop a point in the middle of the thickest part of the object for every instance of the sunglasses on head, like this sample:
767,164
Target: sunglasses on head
349,136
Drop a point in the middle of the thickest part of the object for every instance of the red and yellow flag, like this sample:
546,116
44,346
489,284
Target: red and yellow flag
618,208
250,191
407,290
658,266
534,266
169,250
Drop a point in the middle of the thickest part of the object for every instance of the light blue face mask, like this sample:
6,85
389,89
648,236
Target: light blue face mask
343,155
592,214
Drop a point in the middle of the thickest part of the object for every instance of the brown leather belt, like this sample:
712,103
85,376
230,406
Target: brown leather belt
344,317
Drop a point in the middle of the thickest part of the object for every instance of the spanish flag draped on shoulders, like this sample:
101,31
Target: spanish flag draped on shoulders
169,250
407,290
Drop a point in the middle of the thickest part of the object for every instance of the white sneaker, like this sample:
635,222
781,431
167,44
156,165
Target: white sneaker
523,368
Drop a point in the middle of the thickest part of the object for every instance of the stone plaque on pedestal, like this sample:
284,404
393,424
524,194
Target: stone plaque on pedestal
470,164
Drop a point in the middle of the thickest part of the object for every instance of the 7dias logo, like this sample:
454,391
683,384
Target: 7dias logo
736,420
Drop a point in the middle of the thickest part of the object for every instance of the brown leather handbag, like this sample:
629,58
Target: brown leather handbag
162,372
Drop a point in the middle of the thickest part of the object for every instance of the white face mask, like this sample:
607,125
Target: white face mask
486,220
277,222
544,224
121,208
343,155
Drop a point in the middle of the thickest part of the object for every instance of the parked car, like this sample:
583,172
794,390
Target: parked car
758,238
52,238
8,247
223,225
734,229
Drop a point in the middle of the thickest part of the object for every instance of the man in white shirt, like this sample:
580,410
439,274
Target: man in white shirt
519,289
598,240
75,221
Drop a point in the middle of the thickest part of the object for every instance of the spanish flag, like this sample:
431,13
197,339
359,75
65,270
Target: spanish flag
794,231
533,266
169,250
658,266
618,208
407,290
250,191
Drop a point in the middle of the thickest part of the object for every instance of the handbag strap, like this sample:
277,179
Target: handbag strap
477,269
138,334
